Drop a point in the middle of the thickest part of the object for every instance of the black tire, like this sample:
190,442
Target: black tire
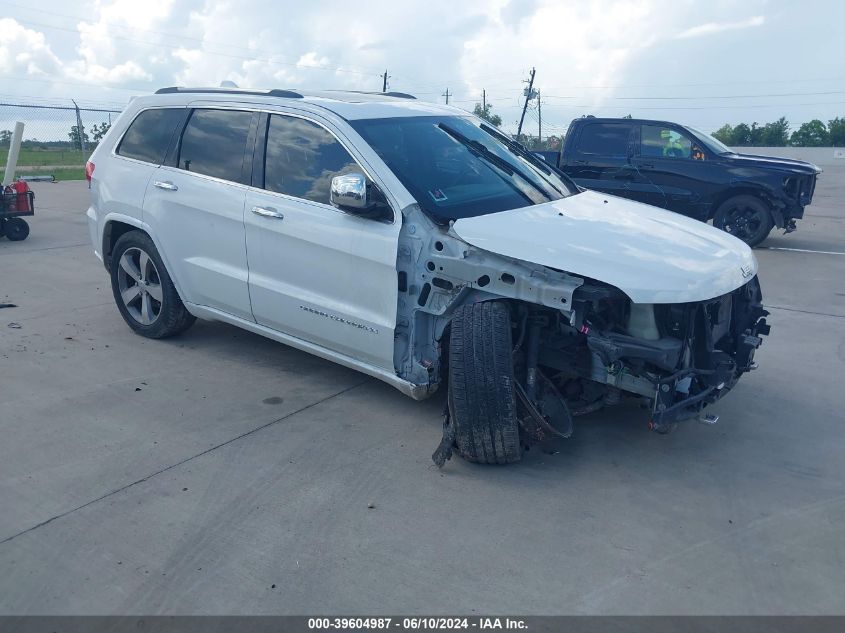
745,217
482,401
16,229
171,317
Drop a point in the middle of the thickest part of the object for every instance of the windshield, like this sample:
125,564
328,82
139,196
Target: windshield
714,145
455,169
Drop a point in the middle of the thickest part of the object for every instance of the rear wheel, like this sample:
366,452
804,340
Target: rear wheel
16,229
143,290
482,401
745,217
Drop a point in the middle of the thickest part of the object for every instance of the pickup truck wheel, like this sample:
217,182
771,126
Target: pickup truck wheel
16,229
745,217
482,401
143,290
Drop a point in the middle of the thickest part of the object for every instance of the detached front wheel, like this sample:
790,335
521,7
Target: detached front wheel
482,400
745,217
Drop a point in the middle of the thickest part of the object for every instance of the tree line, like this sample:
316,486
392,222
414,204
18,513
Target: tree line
776,134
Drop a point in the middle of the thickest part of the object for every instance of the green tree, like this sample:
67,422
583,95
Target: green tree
811,134
755,135
836,131
724,134
74,137
5,137
486,114
776,134
741,135
99,131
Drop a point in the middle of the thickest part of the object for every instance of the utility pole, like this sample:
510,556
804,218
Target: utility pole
528,95
446,94
539,122
384,81
79,129
484,102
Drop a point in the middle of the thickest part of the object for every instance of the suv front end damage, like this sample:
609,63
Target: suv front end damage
680,357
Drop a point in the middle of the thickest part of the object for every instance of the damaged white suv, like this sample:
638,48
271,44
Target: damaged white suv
415,243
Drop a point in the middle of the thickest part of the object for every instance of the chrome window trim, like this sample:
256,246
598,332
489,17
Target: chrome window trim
253,107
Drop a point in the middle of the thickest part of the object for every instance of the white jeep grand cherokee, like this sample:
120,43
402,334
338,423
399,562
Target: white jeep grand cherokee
415,243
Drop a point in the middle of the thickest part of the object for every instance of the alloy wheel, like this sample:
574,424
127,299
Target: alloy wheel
139,285
744,222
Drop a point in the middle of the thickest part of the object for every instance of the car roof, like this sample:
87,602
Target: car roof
350,105
595,119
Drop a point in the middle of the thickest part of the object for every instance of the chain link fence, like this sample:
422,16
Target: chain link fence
57,139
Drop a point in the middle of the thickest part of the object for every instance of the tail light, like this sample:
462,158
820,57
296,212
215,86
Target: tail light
89,172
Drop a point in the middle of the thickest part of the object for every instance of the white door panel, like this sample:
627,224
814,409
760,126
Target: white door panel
199,223
323,275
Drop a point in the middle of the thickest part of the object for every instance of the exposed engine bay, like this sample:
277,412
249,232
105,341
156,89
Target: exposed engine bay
579,344
679,357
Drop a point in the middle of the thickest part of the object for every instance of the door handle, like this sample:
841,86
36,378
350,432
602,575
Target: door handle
268,212
165,184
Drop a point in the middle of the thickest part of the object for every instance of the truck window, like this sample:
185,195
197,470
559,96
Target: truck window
661,142
213,143
302,158
149,134
605,139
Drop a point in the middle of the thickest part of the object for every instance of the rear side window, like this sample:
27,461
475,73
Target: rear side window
302,158
149,134
606,139
213,143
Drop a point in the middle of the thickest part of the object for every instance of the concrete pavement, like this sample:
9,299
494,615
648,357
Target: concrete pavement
222,473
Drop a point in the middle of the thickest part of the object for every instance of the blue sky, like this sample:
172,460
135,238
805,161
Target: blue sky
700,63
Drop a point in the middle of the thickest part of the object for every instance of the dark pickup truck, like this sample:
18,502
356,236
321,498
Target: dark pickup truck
681,169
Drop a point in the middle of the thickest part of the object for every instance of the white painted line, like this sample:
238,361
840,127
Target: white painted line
800,250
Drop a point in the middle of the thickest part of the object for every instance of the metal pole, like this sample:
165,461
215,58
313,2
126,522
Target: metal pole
525,106
384,83
79,129
484,102
539,123
14,150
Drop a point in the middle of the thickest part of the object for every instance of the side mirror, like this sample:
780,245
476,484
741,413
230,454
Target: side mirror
349,192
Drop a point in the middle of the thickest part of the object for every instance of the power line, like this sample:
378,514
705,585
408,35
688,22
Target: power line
726,107
698,98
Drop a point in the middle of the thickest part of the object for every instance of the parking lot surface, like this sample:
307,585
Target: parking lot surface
221,473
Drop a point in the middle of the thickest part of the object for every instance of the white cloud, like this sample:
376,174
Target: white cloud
24,51
718,27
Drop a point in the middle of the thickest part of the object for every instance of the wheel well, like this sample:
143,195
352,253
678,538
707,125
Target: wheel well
111,233
741,191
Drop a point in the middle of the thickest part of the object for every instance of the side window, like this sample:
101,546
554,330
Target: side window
662,142
302,158
606,139
213,143
149,134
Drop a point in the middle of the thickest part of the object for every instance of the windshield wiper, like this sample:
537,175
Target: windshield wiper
481,151
518,148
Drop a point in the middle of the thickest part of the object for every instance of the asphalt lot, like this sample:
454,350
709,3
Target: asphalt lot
221,473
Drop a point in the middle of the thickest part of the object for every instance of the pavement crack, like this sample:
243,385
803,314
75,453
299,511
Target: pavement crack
828,314
185,461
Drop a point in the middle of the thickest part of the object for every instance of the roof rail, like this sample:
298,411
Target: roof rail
398,95
289,94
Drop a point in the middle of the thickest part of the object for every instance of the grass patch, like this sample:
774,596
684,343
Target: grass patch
36,157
